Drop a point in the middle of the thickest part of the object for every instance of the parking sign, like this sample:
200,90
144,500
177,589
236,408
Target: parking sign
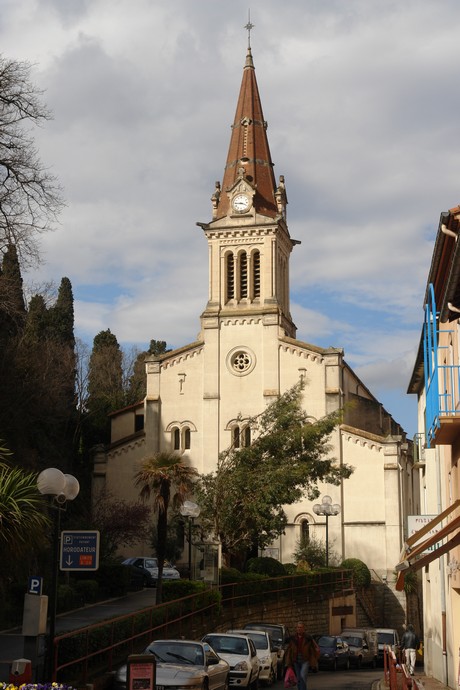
79,550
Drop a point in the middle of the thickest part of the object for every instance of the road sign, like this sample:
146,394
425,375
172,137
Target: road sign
79,550
35,585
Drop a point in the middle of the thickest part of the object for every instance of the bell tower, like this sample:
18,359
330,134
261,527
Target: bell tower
248,238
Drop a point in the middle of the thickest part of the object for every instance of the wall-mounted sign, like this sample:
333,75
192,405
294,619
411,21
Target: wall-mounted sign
416,522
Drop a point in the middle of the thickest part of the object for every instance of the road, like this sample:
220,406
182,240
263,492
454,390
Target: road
354,679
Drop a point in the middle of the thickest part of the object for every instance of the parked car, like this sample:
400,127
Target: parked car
363,646
183,664
151,564
240,653
334,652
138,576
388,637
266,653
279,634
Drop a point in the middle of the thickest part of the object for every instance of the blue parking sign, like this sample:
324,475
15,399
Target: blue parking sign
35,585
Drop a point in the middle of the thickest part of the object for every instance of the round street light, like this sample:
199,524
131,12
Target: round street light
60,488
326,508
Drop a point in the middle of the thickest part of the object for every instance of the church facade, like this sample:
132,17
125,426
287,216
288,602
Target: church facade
200,397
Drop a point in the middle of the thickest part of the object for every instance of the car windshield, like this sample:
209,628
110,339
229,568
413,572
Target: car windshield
353,641
386,638
260,641
274,632
227,645
326,641
173,652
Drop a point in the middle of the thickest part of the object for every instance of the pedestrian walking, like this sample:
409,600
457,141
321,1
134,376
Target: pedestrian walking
410,644
301,654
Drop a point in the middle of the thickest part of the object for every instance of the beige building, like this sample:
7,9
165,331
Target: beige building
435,551
201,396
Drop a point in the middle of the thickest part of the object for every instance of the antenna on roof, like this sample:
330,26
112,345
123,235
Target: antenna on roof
248,28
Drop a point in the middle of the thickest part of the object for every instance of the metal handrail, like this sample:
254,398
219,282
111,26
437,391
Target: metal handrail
100,639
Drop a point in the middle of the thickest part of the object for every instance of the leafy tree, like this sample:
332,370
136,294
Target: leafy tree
23,523
12,307
310,553
30,197
137,384
242,501
105,387
37,397
174,538
168,481
120,523
361,573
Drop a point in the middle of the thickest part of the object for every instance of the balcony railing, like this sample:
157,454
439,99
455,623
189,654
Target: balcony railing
442,380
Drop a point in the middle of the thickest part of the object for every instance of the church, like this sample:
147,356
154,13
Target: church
200,397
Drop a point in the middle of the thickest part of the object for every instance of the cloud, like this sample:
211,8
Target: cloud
362,122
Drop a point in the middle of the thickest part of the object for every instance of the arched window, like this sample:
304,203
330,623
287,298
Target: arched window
176,438
247,436
256,273
236,436
186,436
304,531
243,275
230,277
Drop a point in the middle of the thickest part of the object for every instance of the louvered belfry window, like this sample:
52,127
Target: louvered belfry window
230,277
256,273
243,275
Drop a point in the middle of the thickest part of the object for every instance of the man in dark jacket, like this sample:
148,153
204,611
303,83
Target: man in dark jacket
301,654
410,643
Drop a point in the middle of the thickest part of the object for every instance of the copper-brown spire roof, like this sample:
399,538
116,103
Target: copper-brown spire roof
249,147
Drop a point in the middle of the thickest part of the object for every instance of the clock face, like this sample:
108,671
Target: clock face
241,203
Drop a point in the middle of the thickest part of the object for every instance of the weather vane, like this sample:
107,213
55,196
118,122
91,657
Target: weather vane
248,28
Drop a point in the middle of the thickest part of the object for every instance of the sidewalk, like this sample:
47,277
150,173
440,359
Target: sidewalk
12,641
423,683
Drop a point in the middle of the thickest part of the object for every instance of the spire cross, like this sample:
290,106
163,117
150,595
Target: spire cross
248,28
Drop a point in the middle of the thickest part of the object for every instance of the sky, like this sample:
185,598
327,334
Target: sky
362,104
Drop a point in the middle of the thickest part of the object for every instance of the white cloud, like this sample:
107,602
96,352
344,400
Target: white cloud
362,117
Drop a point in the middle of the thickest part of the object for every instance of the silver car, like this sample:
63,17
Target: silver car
151,564
183,664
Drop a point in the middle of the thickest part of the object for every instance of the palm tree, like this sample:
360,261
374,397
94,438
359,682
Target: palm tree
23,521
169,481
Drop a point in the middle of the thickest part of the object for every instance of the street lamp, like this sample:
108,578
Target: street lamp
60,488
190,510
327,509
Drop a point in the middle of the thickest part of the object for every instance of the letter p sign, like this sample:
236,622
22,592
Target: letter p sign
35,585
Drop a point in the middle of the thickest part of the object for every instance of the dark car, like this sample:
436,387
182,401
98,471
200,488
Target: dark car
334,652
138,577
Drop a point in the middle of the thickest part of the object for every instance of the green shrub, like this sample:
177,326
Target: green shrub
361,573
176,589
88,590
290,568
265,565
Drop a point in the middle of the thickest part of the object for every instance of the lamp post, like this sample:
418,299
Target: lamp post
60,488
190,510
326,508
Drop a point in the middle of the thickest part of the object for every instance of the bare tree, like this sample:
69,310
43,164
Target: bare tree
30,197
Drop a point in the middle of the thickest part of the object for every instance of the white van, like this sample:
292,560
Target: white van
387,637
363,646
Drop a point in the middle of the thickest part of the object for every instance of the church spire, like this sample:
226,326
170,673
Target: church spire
249,154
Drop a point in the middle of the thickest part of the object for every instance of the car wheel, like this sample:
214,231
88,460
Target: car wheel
205,684
255,684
